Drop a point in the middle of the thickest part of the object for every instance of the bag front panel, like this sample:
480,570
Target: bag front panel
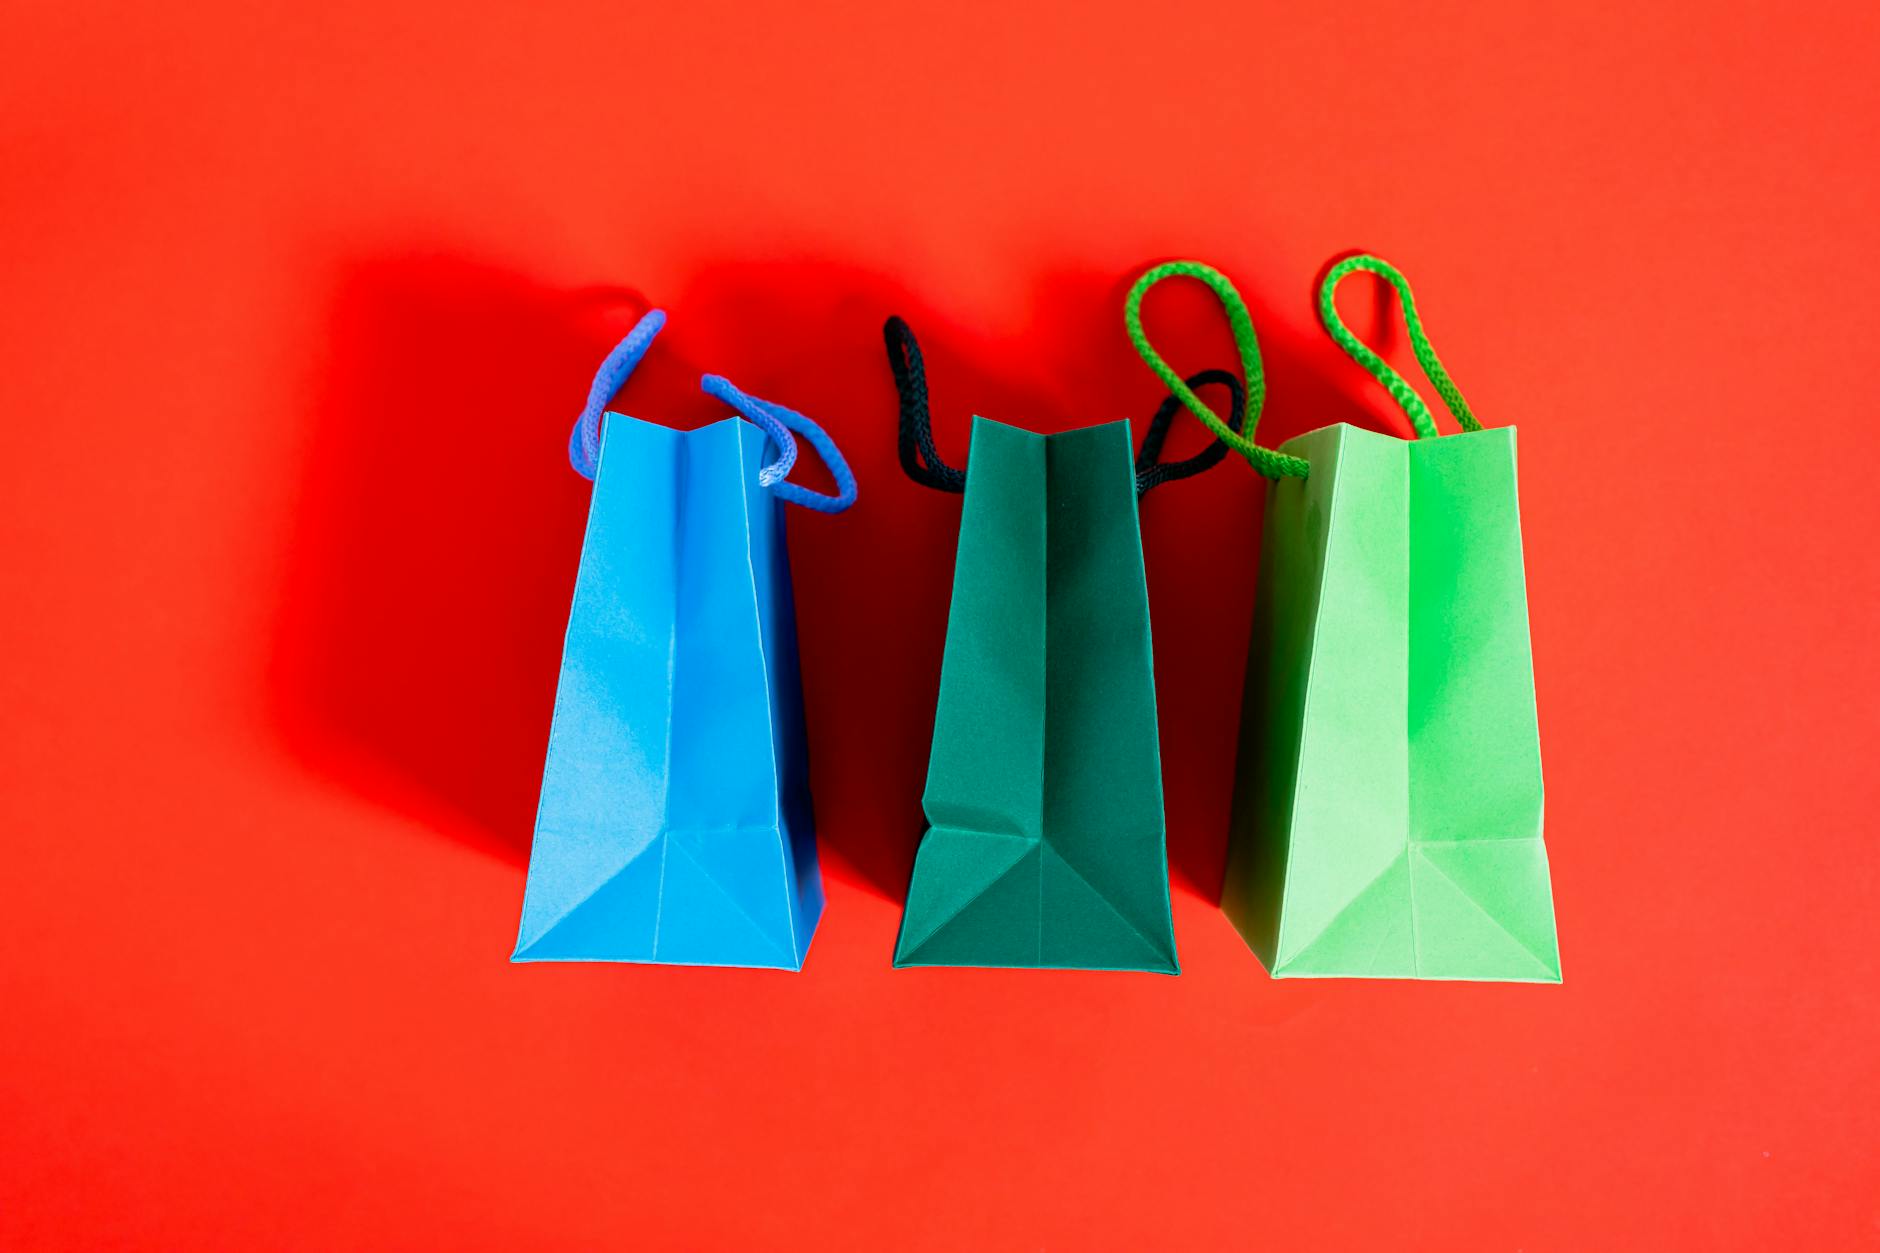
1479,867
776,607
1474,738
1103,807
723,759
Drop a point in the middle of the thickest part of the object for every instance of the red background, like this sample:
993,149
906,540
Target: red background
298,304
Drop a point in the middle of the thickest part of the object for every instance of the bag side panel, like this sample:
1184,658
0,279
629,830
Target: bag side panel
1346,893
986,769
1287,590
974,896
604,783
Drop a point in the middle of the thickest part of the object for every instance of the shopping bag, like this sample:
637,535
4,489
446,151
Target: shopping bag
675,821
1044,843
1387,801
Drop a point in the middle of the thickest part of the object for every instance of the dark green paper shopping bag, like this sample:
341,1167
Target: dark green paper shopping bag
1387,800
1044,844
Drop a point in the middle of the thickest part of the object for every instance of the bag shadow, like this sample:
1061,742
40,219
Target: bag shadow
435,538
438,528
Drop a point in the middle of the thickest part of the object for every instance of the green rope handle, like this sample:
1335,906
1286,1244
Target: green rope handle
1272,464
1393,382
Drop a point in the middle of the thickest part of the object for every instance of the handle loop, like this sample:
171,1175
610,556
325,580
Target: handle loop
1151,473
779,422
1393,382
1239,436
921,459
584,442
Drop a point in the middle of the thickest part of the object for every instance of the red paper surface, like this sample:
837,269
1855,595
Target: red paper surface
299,302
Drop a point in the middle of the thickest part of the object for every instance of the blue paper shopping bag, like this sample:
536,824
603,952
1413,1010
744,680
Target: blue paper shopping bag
675,822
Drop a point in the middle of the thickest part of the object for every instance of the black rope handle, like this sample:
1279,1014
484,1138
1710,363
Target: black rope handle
919,457
1151,473
922,462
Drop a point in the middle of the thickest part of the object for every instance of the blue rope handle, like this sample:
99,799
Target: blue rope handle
778,422
584,443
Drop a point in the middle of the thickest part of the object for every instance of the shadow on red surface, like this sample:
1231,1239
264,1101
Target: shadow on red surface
439,526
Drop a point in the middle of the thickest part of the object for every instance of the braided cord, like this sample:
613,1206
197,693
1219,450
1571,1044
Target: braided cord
923,464
584,442
1272,464
1151,470
779,423
919,457
1393,382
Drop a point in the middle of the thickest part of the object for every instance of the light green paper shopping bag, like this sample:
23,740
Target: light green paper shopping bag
1387,800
